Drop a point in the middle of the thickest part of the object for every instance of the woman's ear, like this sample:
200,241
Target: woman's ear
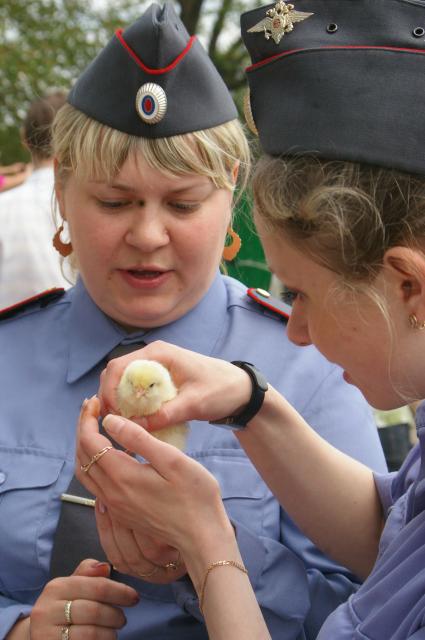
406,270
235,172
59,189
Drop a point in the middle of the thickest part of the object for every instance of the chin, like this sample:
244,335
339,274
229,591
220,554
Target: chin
387,402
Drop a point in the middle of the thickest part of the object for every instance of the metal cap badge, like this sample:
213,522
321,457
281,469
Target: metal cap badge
154,80
279,20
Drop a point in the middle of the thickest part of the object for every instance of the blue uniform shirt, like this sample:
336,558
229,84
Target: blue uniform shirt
52,358
390,605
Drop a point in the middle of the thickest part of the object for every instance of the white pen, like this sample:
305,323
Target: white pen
87,502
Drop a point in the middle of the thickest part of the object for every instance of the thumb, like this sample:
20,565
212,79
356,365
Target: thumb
135,438
93,568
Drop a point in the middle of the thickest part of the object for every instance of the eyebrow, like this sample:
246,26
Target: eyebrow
124,187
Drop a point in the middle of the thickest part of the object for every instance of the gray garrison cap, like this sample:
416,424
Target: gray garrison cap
344,79
152,80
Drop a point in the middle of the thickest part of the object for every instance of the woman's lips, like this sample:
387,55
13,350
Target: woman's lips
145,278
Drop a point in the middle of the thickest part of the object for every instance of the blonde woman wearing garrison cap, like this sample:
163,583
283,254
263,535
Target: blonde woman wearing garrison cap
340,208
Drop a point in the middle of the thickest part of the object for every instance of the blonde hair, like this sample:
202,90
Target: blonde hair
85,147
342,214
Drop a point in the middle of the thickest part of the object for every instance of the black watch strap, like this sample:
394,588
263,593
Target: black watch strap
259,388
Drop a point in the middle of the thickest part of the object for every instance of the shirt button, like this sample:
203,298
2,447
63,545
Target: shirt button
2,477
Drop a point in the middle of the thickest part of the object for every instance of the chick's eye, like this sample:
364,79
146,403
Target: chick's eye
151,385
288,295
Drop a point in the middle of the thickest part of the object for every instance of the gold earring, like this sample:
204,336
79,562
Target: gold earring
231,250
414,322
64,248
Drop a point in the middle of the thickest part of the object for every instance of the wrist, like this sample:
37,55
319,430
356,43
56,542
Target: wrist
259,387
20,630
213,544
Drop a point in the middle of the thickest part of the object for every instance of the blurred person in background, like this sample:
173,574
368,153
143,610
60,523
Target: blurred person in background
29,263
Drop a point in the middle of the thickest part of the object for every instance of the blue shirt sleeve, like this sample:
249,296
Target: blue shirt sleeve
11,612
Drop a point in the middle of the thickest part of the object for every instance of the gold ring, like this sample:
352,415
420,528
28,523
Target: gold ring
68,618
173,565
151,573
86,467
65,632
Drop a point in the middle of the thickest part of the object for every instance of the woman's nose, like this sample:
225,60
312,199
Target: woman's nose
297,330
147,230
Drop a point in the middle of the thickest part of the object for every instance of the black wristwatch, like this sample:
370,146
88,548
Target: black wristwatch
259,388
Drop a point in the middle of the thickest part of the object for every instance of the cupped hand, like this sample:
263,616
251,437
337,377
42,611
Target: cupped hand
95,609
171,499
135,554
209,388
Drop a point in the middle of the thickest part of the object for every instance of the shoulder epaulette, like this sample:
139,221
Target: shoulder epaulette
42,299
265,299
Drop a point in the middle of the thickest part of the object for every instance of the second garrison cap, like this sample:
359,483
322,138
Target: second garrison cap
343,79
153,80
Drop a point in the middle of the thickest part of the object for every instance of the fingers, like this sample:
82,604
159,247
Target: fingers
122,548
98,589
89,443
85,601
139,555
88,612
89,567
162,456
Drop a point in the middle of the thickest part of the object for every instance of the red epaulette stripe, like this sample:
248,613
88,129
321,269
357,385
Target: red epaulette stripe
282,309
330,48
27,301
155,72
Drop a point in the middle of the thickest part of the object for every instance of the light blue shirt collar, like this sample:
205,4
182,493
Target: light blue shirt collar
94,335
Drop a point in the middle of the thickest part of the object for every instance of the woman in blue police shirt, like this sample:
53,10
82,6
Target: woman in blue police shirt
147,152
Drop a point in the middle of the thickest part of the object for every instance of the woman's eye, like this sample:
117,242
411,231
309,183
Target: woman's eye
112,204
288,296
184,206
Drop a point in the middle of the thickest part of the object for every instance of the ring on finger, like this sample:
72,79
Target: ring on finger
68,617
173,565
86,467
65,632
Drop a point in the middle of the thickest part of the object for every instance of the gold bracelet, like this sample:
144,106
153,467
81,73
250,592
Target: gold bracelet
213,565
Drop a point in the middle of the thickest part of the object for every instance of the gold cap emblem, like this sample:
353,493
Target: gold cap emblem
279,20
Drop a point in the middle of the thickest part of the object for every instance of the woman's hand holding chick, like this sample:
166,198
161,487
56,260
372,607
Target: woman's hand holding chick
128,550
148,511
209,389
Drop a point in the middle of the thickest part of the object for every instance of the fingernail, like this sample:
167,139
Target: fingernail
102,507
97,565
84,404
112,424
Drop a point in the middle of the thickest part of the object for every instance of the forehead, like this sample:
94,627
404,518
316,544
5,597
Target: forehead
136,173
290,264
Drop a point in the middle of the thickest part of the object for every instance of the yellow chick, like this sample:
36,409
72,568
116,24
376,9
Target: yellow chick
144,386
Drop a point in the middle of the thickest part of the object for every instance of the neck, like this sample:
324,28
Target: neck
41,163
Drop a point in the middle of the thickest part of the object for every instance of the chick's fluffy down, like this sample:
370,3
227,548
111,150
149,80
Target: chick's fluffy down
144,386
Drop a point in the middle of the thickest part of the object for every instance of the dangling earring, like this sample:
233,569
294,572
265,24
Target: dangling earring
64,248
231,250
414,322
